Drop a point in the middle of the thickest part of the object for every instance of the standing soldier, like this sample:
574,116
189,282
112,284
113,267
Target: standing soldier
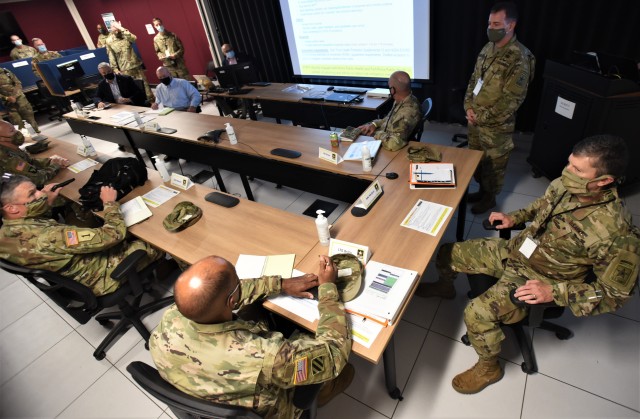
20,51
42,55
14,100
123,58
102,38
497,88
170,51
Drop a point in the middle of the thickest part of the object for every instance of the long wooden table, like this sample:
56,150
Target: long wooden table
285,101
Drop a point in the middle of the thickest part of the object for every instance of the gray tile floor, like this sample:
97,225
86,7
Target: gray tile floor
46,367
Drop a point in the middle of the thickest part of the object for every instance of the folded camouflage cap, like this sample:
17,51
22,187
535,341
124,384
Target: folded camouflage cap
423,154
183,215
350,274
38,147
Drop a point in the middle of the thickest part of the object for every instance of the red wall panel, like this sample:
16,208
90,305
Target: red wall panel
46,19
52,21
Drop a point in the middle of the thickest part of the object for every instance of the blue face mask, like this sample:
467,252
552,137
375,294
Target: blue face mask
160,28
231,54
42,48
18,42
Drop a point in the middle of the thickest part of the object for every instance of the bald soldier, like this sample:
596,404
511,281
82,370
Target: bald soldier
579,226
15,161
123,58
88,255
170,51
14,100
43,55
394,129
20,51
206,351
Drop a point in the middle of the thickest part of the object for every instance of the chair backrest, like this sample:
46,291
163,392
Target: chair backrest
426,106
76,299
183,405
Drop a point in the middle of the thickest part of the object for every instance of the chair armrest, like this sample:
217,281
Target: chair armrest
505,233
127,270
304,396
536,311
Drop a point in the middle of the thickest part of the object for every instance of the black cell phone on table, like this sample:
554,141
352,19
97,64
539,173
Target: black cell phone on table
61,184
95,118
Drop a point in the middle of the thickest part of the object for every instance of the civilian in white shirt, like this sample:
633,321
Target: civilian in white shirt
175,93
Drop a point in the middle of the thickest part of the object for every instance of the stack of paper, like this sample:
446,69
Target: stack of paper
250,266
431,175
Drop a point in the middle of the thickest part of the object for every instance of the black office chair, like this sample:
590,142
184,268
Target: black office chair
140,85
48,103
88,85
185,406
426,106
457,114
536,318
79,301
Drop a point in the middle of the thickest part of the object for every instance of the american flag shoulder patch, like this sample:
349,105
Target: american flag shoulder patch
71,237
301,370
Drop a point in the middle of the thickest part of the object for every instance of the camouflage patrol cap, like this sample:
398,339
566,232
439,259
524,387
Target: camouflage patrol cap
183,215
423,154
350,274
38,147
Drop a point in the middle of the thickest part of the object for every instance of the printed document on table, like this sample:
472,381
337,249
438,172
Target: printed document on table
135,211
122,115
363,330
82,165
354,152
159,196
250,266
427,217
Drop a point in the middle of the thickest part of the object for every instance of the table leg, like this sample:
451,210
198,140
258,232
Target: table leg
389,360
135,149
462,214
216,173
247,187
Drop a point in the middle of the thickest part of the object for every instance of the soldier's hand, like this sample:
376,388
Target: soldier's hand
116,24
471,116
108,194
327,270
297,286
154,106
124,100
507,221
11,99
535,292
51,195
191,109
60,161
367,129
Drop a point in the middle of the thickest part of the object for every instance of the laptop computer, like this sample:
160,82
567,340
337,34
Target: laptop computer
340,97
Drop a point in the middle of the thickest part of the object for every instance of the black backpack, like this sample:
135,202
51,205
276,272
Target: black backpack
122,173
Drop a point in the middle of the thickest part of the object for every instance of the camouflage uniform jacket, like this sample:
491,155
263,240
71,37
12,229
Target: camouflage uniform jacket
168,41
19,162
394,129
83,254
43,56
506,73
573,239
23,52
121,53
10,85
243,362
102,41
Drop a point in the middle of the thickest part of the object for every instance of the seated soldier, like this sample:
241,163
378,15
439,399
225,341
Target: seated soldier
88,255
395,128
14,160
205,350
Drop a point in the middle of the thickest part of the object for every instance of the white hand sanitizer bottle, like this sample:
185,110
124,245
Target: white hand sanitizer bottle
29,128
322,224
366,158
162,168
231,134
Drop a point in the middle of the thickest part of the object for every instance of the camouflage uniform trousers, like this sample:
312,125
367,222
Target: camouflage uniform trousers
496,143
138,73
178,69
484,313
21,110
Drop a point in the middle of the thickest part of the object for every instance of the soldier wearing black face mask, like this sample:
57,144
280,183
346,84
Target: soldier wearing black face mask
117,88
175,93
102,38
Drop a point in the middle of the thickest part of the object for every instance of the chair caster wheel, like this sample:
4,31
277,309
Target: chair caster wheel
526,369
465,340
100,356
146,346
105,322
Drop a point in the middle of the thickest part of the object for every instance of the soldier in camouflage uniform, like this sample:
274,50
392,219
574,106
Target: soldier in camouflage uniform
20,51
14,100
394,129
202,349
579,225
88,255
102,37
497,88
15,161
42,55
123,58
170,51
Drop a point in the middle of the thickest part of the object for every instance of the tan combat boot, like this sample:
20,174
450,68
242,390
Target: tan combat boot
441,288
331,389
484,373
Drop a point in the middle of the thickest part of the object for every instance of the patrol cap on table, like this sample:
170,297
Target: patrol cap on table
38,147
183,215
349,275
423,154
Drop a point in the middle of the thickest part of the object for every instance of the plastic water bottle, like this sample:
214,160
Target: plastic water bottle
162,168
30,130
231,134
136,116
322,224
77,109
366,158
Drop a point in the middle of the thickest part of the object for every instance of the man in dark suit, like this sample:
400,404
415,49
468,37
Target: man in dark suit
117,88
232,57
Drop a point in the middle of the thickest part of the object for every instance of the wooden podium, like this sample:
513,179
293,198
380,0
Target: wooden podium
576,104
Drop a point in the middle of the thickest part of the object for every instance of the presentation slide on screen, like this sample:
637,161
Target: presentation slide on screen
358,38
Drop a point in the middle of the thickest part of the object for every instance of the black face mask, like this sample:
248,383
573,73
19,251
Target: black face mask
166,80
109,76
102,31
